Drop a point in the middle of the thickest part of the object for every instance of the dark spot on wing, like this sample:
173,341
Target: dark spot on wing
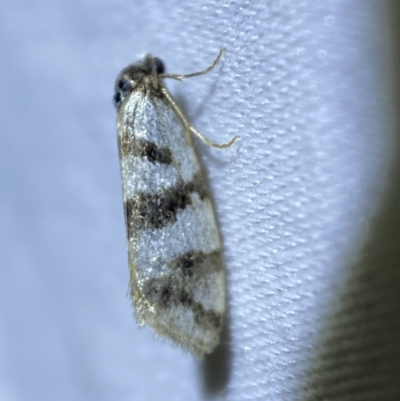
185,299
167,292
130,146
197,263
187,262
152,152
158,291
209,318
154,211
197,185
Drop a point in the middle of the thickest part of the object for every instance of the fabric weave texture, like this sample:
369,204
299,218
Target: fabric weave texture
307,201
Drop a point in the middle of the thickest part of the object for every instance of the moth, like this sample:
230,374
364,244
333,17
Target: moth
177,279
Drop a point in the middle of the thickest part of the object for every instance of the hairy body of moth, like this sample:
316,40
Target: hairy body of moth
177,280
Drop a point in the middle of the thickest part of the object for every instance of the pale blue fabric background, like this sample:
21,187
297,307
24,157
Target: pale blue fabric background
307,200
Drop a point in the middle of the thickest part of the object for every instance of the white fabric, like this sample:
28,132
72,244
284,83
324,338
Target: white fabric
307,200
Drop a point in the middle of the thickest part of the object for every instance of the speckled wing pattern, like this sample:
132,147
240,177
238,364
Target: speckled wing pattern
177,280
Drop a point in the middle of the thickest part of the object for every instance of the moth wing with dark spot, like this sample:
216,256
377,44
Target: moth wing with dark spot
176,270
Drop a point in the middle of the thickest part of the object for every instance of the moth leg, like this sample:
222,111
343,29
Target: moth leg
189,127
213,144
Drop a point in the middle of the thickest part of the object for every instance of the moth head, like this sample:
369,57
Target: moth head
133,76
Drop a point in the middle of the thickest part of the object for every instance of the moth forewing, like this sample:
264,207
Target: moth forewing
177,279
